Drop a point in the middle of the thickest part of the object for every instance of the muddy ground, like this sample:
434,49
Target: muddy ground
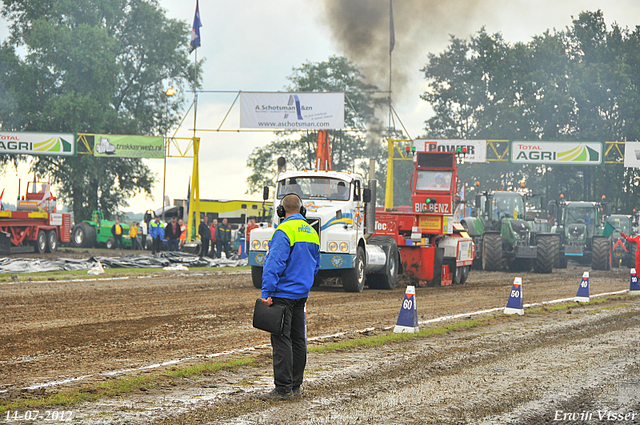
507,369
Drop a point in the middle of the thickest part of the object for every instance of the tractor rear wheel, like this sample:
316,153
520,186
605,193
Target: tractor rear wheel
548,249
601,254
492,252
83,235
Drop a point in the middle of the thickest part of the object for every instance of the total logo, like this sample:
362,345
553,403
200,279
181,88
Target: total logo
432,208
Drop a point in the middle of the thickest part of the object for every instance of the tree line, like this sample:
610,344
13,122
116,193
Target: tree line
102,66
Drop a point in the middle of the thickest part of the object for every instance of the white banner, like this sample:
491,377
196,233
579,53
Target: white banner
476,149
292,111
38,144
566,153
632,154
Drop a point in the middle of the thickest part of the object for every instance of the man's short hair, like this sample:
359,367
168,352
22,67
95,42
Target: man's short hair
291,204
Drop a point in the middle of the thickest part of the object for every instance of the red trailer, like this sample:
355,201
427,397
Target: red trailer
35,226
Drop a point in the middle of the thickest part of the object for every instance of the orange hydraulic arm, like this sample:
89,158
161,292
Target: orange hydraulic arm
323,156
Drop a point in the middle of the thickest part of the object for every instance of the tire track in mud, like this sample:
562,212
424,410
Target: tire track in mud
521,373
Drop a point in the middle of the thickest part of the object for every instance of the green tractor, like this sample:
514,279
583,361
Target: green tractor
504,238
581,225
97,233
623,252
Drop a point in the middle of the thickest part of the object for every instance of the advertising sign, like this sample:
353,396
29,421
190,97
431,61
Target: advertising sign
476,149
38,144
632,154
566,153
292,111
128,146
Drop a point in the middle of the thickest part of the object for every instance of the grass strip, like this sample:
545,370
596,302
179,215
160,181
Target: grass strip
122,385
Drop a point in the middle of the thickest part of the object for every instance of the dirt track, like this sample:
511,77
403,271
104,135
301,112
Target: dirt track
51,331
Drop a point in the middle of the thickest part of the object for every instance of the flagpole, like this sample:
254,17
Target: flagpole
392,42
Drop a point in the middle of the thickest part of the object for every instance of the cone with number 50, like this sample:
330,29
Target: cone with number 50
514,304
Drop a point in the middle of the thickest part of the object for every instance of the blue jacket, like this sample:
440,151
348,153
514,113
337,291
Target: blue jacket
292,261
156,229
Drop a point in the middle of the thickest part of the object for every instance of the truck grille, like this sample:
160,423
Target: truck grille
315,223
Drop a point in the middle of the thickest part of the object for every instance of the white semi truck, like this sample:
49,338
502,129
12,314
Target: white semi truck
338,206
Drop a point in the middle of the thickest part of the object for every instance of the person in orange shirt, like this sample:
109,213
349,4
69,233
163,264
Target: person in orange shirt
183,234
635,240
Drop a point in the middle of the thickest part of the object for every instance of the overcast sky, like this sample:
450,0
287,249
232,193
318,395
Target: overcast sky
253,45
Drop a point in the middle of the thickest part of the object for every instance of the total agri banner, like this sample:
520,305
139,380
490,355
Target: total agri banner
292,111
565,153
55,144
476,149
128,146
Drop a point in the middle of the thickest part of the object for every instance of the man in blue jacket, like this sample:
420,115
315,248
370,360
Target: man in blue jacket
292,262
156,231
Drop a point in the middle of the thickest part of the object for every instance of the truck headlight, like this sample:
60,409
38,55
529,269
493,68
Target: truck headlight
344,247
333,246
265,245
255,244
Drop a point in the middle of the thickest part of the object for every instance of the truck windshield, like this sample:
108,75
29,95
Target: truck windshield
315,188
433,180
506,204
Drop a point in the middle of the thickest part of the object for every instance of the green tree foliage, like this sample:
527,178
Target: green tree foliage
94,66
299,148
578,84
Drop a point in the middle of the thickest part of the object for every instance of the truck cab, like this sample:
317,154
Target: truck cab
335,203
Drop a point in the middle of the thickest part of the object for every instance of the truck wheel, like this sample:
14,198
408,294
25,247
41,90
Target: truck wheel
601,255
492,252
256,276
41,242
353,279
389,278
548,248
464,275
110,244
52,241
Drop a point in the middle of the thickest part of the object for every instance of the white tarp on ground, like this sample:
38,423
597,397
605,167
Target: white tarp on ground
165,259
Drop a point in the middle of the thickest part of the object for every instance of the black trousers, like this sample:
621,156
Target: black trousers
157,245
205,247
290,348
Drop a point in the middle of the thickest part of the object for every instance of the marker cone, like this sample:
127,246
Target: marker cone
408,317
634,287
583,290
514,304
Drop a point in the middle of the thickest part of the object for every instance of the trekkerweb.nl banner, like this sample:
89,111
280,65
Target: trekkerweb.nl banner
292,111
128,146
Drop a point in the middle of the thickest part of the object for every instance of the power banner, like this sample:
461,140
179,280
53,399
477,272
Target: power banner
128,146
292,111
38,144
565,153
476,149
